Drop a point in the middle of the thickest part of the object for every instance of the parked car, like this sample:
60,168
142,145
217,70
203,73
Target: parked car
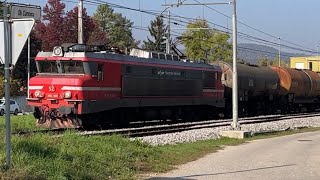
14,107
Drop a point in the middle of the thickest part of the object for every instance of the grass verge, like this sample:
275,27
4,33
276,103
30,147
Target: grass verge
19,123
72,156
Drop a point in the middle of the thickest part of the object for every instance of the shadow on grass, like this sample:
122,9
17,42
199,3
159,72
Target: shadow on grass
37,149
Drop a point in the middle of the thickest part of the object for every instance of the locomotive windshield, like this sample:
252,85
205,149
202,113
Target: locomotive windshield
61,67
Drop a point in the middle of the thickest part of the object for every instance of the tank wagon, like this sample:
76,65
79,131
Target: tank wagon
265,90
77,87
298,89
257,88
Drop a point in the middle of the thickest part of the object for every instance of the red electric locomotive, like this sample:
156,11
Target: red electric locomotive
75,88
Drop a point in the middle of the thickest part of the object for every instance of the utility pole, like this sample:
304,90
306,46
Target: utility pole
168,47
279,52
234,124
318,57
80,22
235,72
7,55
28,66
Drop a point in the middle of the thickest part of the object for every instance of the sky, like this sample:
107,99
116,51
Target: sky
295,22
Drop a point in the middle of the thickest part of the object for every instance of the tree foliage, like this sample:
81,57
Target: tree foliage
1,10
275,62
117,27
51,29
55,29
15,87
157,30
90,28
203,42
58,28
264,62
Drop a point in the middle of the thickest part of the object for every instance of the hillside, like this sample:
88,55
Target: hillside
252,52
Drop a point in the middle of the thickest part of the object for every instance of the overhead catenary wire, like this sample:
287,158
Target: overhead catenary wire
177,34
153,13
251,27
177,18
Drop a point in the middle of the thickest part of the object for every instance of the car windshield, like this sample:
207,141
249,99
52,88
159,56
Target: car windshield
2,102
61,67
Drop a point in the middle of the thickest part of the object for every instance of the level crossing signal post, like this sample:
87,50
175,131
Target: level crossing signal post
15,27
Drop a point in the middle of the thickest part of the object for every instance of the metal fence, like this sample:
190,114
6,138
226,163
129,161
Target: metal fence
22,102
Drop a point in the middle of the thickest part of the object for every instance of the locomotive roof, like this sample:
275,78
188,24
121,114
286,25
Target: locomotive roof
85,56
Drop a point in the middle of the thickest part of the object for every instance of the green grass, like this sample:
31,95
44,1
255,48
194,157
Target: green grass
19,123
72,156
75,157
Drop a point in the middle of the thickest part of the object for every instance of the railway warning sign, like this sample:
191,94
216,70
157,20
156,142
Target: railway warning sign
21,29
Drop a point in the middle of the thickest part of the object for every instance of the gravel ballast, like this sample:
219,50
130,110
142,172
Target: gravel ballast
214,133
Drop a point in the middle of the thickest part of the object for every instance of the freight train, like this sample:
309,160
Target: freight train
80,87
267,90
77,86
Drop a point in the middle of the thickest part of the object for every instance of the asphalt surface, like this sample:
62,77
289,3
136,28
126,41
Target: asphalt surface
294,157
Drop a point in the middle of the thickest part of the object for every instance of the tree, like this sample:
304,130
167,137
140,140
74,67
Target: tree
91,29
58,28
97,36
203,42
157,30
51,29
117,27
1,10
263,62
275,62
14,86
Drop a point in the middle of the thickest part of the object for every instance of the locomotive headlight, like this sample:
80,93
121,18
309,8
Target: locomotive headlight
67,95
39,94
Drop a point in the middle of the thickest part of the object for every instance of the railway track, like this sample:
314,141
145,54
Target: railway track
172,128
163,129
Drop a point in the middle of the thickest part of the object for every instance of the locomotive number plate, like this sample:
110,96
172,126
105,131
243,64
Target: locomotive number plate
55,96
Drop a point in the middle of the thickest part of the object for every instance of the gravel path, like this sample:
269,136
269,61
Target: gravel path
214,133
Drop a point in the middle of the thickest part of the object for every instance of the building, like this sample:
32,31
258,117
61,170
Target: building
308,62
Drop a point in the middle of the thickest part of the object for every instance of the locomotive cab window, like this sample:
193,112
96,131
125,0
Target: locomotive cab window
72,67
58,67
47,67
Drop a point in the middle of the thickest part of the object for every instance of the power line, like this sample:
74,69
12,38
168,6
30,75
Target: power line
259,51
154,13
253,27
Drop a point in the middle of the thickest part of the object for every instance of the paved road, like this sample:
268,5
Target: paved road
294,157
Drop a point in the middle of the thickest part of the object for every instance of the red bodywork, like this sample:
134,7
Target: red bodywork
86,90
